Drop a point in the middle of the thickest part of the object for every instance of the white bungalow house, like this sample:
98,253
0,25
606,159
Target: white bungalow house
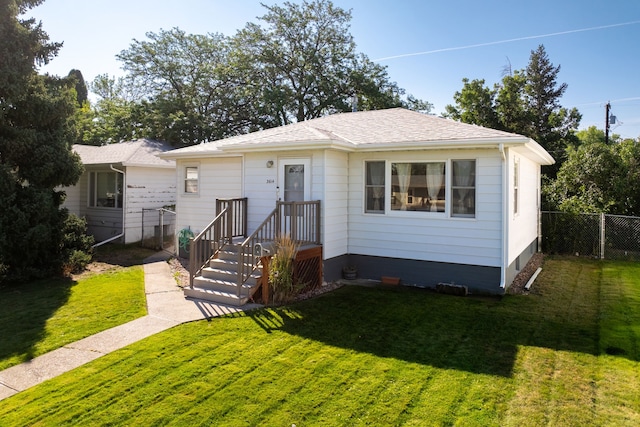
401,194
119,181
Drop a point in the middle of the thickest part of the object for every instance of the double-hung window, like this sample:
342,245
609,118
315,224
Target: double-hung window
516,185
105,189
463,188
418,186
191,179
374,187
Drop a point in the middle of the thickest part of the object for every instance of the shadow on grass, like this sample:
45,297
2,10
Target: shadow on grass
122,255
24,311
478,335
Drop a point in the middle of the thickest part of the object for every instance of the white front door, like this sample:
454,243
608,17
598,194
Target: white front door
294,180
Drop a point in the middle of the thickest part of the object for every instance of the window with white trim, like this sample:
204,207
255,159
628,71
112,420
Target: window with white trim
463,188
191,177
105,189
418,186
374,187
516,185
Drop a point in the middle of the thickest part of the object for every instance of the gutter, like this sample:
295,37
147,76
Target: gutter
124,185
505,217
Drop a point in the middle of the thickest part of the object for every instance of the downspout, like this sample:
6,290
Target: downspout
505,218
124,199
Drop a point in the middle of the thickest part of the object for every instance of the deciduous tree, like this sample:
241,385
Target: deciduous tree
598,177
298,63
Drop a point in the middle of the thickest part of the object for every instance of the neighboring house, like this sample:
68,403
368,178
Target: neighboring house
403,194
119,181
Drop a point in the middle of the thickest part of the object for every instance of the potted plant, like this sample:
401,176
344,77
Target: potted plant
349,272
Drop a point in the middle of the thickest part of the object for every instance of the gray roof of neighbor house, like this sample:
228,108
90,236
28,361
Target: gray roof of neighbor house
141,152
378,130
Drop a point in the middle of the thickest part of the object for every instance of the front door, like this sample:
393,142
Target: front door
294,180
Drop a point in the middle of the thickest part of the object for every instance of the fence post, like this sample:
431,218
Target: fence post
602,235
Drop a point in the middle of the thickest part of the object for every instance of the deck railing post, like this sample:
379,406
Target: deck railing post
192,261
294,221
279,216
229,219
317,222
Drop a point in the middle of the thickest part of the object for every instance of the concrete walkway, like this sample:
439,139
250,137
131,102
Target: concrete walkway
166,308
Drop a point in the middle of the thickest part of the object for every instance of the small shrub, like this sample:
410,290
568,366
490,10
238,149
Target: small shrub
76,245
281,269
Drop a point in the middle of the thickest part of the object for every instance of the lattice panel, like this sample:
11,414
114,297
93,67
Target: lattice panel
308,268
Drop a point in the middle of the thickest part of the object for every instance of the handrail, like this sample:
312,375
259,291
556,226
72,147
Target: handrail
247,260
230,222
200,253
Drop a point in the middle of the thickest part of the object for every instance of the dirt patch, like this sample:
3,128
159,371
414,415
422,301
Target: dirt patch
114,257
517,287
180,270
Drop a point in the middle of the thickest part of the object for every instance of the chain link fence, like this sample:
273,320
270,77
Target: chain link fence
596,235
158,228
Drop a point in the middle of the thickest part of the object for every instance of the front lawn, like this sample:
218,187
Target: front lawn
568,354
41,316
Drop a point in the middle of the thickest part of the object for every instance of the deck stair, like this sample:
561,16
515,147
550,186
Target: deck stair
219,281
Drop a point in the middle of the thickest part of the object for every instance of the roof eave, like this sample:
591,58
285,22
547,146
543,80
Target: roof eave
149,165
290,145
195,155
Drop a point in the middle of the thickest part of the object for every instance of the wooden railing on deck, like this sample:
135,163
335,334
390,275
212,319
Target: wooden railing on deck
230,222
238,214
301,220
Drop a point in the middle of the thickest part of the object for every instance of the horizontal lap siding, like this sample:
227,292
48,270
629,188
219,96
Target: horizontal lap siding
73,198
103,223
219,178
421,236
523,227
261,184
147,188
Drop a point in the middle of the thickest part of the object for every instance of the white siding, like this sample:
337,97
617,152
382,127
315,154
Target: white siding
218,178
523,226
74,195
426,236
146,188
261,182
335,206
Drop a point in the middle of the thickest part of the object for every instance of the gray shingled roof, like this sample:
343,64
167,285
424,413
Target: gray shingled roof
141,152
366,129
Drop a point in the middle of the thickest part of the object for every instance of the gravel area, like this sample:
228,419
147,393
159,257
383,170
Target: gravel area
180,270
517,287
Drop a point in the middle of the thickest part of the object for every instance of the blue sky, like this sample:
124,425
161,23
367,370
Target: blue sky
429,46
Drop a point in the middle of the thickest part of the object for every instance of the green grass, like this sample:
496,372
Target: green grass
41,316
568,354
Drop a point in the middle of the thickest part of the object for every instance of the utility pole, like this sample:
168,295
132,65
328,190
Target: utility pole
606,127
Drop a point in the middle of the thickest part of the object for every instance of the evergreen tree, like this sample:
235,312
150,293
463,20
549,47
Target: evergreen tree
526,102
82,93
36,132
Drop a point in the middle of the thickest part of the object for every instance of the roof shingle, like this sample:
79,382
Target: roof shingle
141,152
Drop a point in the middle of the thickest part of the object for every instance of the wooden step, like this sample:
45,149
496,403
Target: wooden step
216,296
